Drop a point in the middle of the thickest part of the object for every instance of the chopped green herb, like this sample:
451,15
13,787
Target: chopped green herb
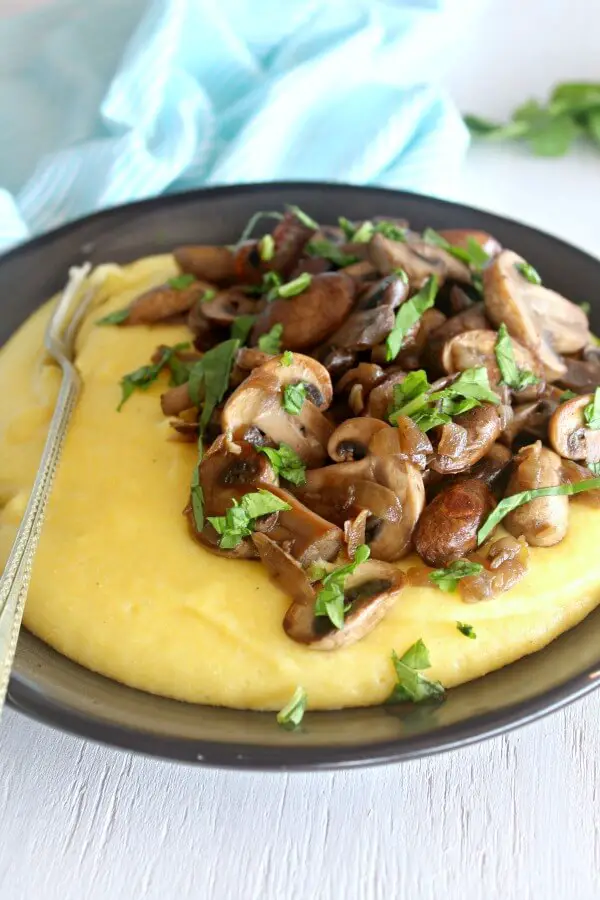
391,231
287,358
467,630
181,282
180,370
472,384
286,463
528,272
408,315
447,579
594,467
213,372
208,295
251,224
513,502
239,520
293,712
302,216
142,378
115,318
329,250
411,684
591,413
241,328
512,375
330,598
271,341
266,248
473,255
363,234
412,398
295,287
197,494
294,396
567,395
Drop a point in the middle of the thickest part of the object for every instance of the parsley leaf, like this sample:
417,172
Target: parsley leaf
472,384
180,282
473,255
467,630
197,494
287,358
515,378
302,216
408,315
412,397
238,521
447,579
295,287
513,502
328,250
528,272
213,371
567,395
294,396
142,378
412,685
115,318
591,413
266,248
330,598
241,328
271,341
251,224
286,463
293,712
365,231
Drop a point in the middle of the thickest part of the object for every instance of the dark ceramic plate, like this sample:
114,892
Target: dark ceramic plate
56,691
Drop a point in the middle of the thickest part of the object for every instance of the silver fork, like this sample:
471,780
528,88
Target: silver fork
59,341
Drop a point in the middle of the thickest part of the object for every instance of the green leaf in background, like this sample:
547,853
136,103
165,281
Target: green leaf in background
550,130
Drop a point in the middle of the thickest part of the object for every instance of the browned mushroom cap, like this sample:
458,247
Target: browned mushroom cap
164,302
226,306
406,439
350,440
490,466
214,264
227,472
304,534
285,571
311,317
544,521
418,259
290,237
447,529
370,592
382,396
258,402
459,237
471,319
582,375
477,348
337,360
390,291
573,473
536,316
364,329
532,418
569,434
366,374
465,440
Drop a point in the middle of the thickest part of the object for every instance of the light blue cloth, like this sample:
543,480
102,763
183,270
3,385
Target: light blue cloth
106,101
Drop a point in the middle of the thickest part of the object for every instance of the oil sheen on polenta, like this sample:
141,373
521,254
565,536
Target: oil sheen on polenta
120,587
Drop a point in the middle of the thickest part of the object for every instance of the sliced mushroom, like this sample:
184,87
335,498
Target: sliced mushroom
208,263
304,534
532,418
539,318
364,329
285,571
573,473
367,375
471,319
582,375
456,452
382,396
355,531
177,399
459,237
258,402
369,592
337,360
406,440
350,440
505,562
311,317
477,348
165,302
490,467
447,529
247,359
416,341
226,307
544,521
390,291
290,236
568,432
418,259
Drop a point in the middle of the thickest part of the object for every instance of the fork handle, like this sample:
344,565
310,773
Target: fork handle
14,582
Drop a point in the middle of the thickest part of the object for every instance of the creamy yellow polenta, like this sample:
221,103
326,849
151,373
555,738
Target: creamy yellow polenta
120,586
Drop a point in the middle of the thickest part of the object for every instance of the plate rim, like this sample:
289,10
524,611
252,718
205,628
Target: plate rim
257,757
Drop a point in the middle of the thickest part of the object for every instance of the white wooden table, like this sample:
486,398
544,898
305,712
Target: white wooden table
516,817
